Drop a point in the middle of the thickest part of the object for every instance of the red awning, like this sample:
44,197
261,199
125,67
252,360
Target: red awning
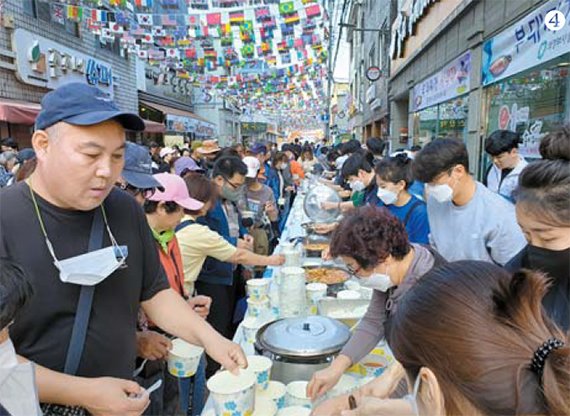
153,127
18,112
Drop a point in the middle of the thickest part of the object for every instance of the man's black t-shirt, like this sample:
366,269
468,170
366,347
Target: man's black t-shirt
42,329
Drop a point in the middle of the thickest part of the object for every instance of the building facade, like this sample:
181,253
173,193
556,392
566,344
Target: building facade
41,50
464,68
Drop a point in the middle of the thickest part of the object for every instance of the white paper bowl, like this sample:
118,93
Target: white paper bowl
257,289
294,411
233,395
264,407
297,394
261,367
276,391
183,358
348,294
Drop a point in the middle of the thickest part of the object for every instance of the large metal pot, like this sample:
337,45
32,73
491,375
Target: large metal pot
300,346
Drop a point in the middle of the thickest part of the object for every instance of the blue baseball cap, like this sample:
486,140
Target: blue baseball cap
258,148
83,105
138,167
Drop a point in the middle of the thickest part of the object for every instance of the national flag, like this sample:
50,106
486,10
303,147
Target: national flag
172,53
148,38
262,13
226,29
269,23
121,18
266,33
74,13
57,13
168,3
116,28
205,32
313,10
210,54
155,55
237,17
190,53
246,26
117,3
142,54
107,35
144,19
143,3
167,41
287,30
94,27
298,43
168,20
158,31
248,50
183,42
287,7
214,19
98,15
271,60
193,20
292,19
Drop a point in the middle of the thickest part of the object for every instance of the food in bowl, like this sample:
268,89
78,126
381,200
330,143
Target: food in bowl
316,246
233,394
326,275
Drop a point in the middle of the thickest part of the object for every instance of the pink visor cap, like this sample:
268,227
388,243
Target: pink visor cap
175,190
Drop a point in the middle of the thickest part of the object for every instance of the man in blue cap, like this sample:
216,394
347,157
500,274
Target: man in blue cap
92,261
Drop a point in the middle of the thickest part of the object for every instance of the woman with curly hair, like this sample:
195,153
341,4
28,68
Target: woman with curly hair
374,246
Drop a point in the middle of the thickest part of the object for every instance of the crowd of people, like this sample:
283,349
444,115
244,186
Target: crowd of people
110,249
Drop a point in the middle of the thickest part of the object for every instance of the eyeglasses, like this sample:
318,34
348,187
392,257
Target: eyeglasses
233,185
353,271
134,191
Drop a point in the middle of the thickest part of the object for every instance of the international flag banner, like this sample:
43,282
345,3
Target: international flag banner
269,23
143,3
74,13
287,7
271,60
313,10
94,27
142,54
169,3
292,19
237,17
210,54
262,13
148,38
121,18
183,42
98,15
57,13
214,19
190,53
118,3
144,19
158,32
287,30
246,26
298,43
248,50
172,53
156,55
168,20
116,28
285,59
193,20
227,40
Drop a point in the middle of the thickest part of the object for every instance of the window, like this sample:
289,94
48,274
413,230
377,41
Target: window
40,10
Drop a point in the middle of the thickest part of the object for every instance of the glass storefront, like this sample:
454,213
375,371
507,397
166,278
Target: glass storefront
533,103
445,120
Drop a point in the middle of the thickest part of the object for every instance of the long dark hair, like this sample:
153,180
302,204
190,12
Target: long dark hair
544,185
476,327
395,169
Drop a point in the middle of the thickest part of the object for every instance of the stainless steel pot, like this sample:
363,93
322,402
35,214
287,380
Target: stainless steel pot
300,346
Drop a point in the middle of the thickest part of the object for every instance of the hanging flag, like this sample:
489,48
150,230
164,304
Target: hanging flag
57,13
237,17
190,53
168,20
262,13
269,23
155,55
158,31
248,50
313,10
167,3
144,19
172,53
193,20
117,3
214,19
116,28
74,13
287,7
122,18
99,15
143,3
292,19
94,27
142,54
148,38
246,26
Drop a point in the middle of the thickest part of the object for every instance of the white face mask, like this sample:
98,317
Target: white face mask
441,193
357,185
386,196
90,268
18,390
7,354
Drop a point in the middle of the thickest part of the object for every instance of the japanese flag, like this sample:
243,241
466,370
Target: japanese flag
116,28
142,54
148,38
172,53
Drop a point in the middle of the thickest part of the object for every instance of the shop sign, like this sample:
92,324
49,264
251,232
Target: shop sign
253,128
371,93
166,83
45,63
525,44
403,26
183,124
451,81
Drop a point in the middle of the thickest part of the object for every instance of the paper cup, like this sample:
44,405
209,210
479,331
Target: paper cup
315,291
294,411
264,407
233,395
250,327
348,294
261,367
297,394
275,391
257,289
257,308
183,358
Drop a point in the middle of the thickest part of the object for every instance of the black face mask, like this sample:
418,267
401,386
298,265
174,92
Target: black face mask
555,263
